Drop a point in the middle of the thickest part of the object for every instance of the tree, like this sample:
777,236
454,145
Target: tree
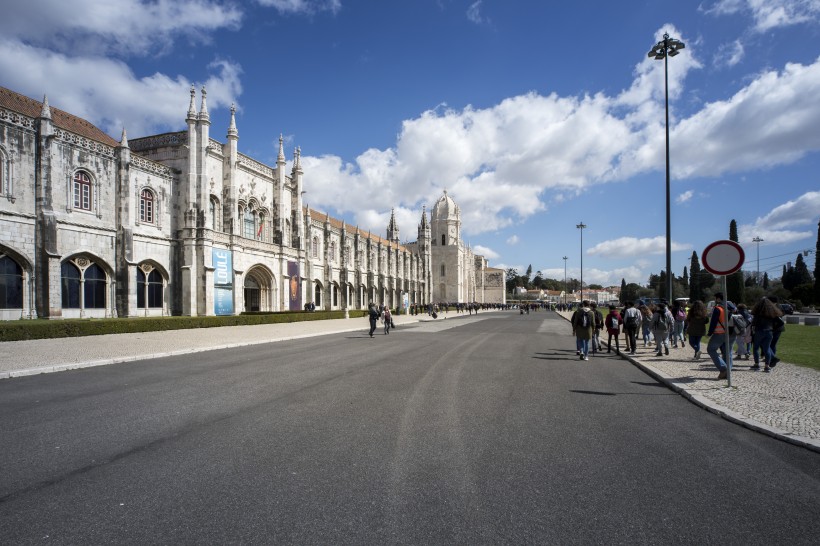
595,287
695,291
765,281
817,268
623,288
512,279
527,276
630,292
801,272
734,282
538,280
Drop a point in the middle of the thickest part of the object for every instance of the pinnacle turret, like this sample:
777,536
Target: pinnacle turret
46,111
203,107
191,106
232,132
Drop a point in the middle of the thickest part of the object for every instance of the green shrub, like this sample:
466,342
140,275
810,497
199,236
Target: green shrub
44,328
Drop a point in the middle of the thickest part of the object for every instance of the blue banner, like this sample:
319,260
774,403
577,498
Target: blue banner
222,262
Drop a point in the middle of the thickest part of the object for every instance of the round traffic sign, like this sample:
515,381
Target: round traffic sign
723,257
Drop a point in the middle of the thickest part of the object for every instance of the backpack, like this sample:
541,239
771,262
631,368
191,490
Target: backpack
660,322
599,320
738,324
778,324
632,321
613,322
681,316
583,320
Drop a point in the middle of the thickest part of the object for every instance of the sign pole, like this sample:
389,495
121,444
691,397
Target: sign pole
728,354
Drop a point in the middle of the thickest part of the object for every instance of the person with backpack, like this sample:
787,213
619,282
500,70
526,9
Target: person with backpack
632,322
717,337
613,328
697,319
373,315
766,317
744,335
661,326
388,320
599,325
583,323
679,314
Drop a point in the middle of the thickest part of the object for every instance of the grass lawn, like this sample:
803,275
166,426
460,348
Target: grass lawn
800,345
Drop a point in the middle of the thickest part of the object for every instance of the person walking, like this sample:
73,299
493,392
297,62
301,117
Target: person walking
661,326
388,320
583,323
599,325
717,338
697,320
632,322
764,316
744,337
679,314
646,323
613,328
373,314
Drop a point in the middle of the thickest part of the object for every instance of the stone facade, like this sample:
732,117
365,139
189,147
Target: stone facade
182,224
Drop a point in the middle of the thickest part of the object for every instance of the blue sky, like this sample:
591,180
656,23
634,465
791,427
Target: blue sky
534,115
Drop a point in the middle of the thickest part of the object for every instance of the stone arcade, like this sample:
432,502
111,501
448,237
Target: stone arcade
182,224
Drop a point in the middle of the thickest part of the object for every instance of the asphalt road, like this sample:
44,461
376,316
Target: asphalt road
460,431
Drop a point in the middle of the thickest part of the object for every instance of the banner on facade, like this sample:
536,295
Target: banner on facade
222,262
405,301
295,287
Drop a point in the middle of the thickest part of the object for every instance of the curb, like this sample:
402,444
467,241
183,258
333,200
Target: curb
729,415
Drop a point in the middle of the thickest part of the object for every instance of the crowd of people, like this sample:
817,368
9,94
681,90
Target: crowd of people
663,326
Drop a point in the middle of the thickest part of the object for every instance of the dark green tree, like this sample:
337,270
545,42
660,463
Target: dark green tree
623,288
630,292
527,276
695,291
765,281
734,283
512,279
801,271
538,280
817,268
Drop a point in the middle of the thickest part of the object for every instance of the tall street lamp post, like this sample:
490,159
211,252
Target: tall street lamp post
565,283
668,47
757,240
582,226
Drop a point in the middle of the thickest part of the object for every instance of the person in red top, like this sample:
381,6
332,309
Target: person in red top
613,328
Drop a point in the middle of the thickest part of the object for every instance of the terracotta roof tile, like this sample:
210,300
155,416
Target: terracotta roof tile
62,119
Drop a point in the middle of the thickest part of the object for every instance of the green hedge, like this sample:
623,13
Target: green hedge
43,328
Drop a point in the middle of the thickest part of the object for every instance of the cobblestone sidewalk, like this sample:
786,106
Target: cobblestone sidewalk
784,403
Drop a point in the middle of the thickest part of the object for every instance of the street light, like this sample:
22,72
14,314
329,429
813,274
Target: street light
668,47
757,240
565,283
582,226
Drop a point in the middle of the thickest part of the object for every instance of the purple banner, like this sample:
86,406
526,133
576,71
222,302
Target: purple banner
294,287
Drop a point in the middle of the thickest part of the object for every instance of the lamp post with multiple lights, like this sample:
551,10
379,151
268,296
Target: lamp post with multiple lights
757,240
582,226
668,47
565,283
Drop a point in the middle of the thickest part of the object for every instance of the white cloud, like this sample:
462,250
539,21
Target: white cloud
770,14
127,26
106,91
487,252
625,247
513,240
729,54
782,224
308,7
684,197
474,13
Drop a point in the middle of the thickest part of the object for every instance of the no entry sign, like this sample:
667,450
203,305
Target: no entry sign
723,257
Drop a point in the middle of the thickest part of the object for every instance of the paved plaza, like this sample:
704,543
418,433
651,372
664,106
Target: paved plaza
784,403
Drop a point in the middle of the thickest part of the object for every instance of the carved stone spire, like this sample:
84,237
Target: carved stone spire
393,227
191,106
124,139
281,157
203,107
297,160
46,111
232,132
424,216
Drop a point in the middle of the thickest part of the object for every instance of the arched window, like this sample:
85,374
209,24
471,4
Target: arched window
249,223
70,279
216,214
315,247
82,191
149,289
260,229
147,206
443,270
443,239
94,292
317,295
11,284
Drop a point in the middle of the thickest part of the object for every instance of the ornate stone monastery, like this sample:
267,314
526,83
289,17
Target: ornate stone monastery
182,224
